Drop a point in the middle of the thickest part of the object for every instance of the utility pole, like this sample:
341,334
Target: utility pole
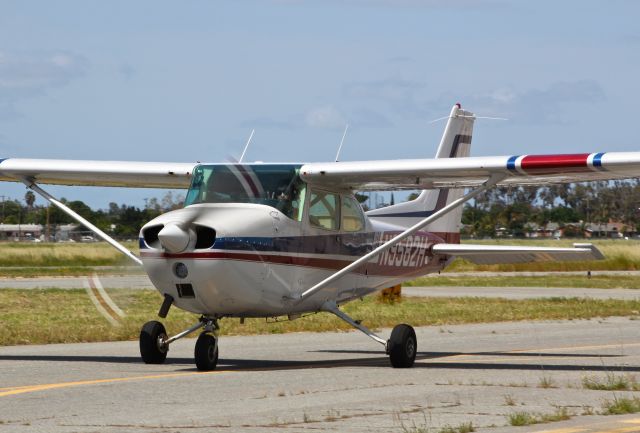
47,233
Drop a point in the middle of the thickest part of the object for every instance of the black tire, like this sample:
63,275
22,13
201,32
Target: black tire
151,351
206,352
402,346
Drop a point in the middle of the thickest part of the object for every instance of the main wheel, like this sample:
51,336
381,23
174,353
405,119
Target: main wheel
152,348
402,346
206,352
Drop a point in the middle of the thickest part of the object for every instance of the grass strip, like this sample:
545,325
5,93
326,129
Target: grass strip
64,316
620,255
63,254
67,271
569,281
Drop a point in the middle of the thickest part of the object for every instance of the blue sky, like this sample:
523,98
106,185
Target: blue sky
187,81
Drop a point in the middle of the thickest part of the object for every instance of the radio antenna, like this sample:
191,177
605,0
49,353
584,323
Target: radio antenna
344,134
246,146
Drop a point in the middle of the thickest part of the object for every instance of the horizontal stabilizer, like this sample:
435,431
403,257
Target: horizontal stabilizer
490,255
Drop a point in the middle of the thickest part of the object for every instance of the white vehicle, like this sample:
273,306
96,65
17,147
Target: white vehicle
267,240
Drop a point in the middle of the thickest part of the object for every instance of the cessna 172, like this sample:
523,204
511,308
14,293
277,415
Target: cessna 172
270,240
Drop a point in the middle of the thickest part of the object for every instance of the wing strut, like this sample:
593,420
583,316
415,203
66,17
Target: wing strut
494,179
117,245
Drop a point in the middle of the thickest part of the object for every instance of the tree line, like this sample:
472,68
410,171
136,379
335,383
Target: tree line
513,208
579,204
121,221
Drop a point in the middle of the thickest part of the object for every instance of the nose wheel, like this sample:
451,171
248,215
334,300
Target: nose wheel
153,349
154,343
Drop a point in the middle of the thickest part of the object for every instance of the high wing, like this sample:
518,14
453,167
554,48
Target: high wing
97,173
472,171
491,254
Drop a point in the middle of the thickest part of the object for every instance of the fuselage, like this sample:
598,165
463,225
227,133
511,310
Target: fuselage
251,239
260,259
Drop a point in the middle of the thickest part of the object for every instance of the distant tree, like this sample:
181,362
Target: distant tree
30,199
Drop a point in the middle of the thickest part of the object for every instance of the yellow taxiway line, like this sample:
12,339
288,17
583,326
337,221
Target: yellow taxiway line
593,428
33,388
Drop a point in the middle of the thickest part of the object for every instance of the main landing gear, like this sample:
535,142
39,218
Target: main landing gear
401,347
154,343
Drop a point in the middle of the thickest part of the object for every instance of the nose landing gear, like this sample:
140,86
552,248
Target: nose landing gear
153,348
154,343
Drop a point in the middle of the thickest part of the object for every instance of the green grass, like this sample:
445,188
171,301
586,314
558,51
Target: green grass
611,382
569,281
62,254
621,406
67,271
527,418
466,427
59,316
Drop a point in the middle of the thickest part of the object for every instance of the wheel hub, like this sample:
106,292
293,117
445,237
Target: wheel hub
162,343
411,347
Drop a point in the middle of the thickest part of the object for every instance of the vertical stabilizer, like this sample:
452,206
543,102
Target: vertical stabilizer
455,143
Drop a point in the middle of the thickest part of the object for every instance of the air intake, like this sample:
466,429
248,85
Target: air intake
205,237
150,235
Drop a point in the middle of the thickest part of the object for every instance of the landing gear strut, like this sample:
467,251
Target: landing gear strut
401,347
154,343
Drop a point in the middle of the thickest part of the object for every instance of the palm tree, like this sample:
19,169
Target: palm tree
30,199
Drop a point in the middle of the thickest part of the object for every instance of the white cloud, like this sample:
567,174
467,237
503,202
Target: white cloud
327,117
551,104
27,75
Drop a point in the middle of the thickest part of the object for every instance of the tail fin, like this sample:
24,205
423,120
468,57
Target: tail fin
455,142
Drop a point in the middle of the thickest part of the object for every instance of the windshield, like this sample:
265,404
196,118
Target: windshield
275,185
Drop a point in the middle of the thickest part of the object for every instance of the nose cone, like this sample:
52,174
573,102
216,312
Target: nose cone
173,238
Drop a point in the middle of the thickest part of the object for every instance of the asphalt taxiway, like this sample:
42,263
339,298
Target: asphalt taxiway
330,381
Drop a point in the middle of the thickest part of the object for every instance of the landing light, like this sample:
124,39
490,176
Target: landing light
180,269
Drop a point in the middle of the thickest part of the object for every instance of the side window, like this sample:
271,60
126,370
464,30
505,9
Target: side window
323,210
352,217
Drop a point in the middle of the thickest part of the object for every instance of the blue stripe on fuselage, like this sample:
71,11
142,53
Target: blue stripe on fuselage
348,244
345,244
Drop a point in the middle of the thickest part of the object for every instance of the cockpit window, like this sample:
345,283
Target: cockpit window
323,210
275,185
352,217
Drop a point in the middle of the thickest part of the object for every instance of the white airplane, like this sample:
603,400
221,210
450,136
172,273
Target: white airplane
271,240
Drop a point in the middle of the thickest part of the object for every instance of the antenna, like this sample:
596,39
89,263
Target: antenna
246,146
344,134
491,118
